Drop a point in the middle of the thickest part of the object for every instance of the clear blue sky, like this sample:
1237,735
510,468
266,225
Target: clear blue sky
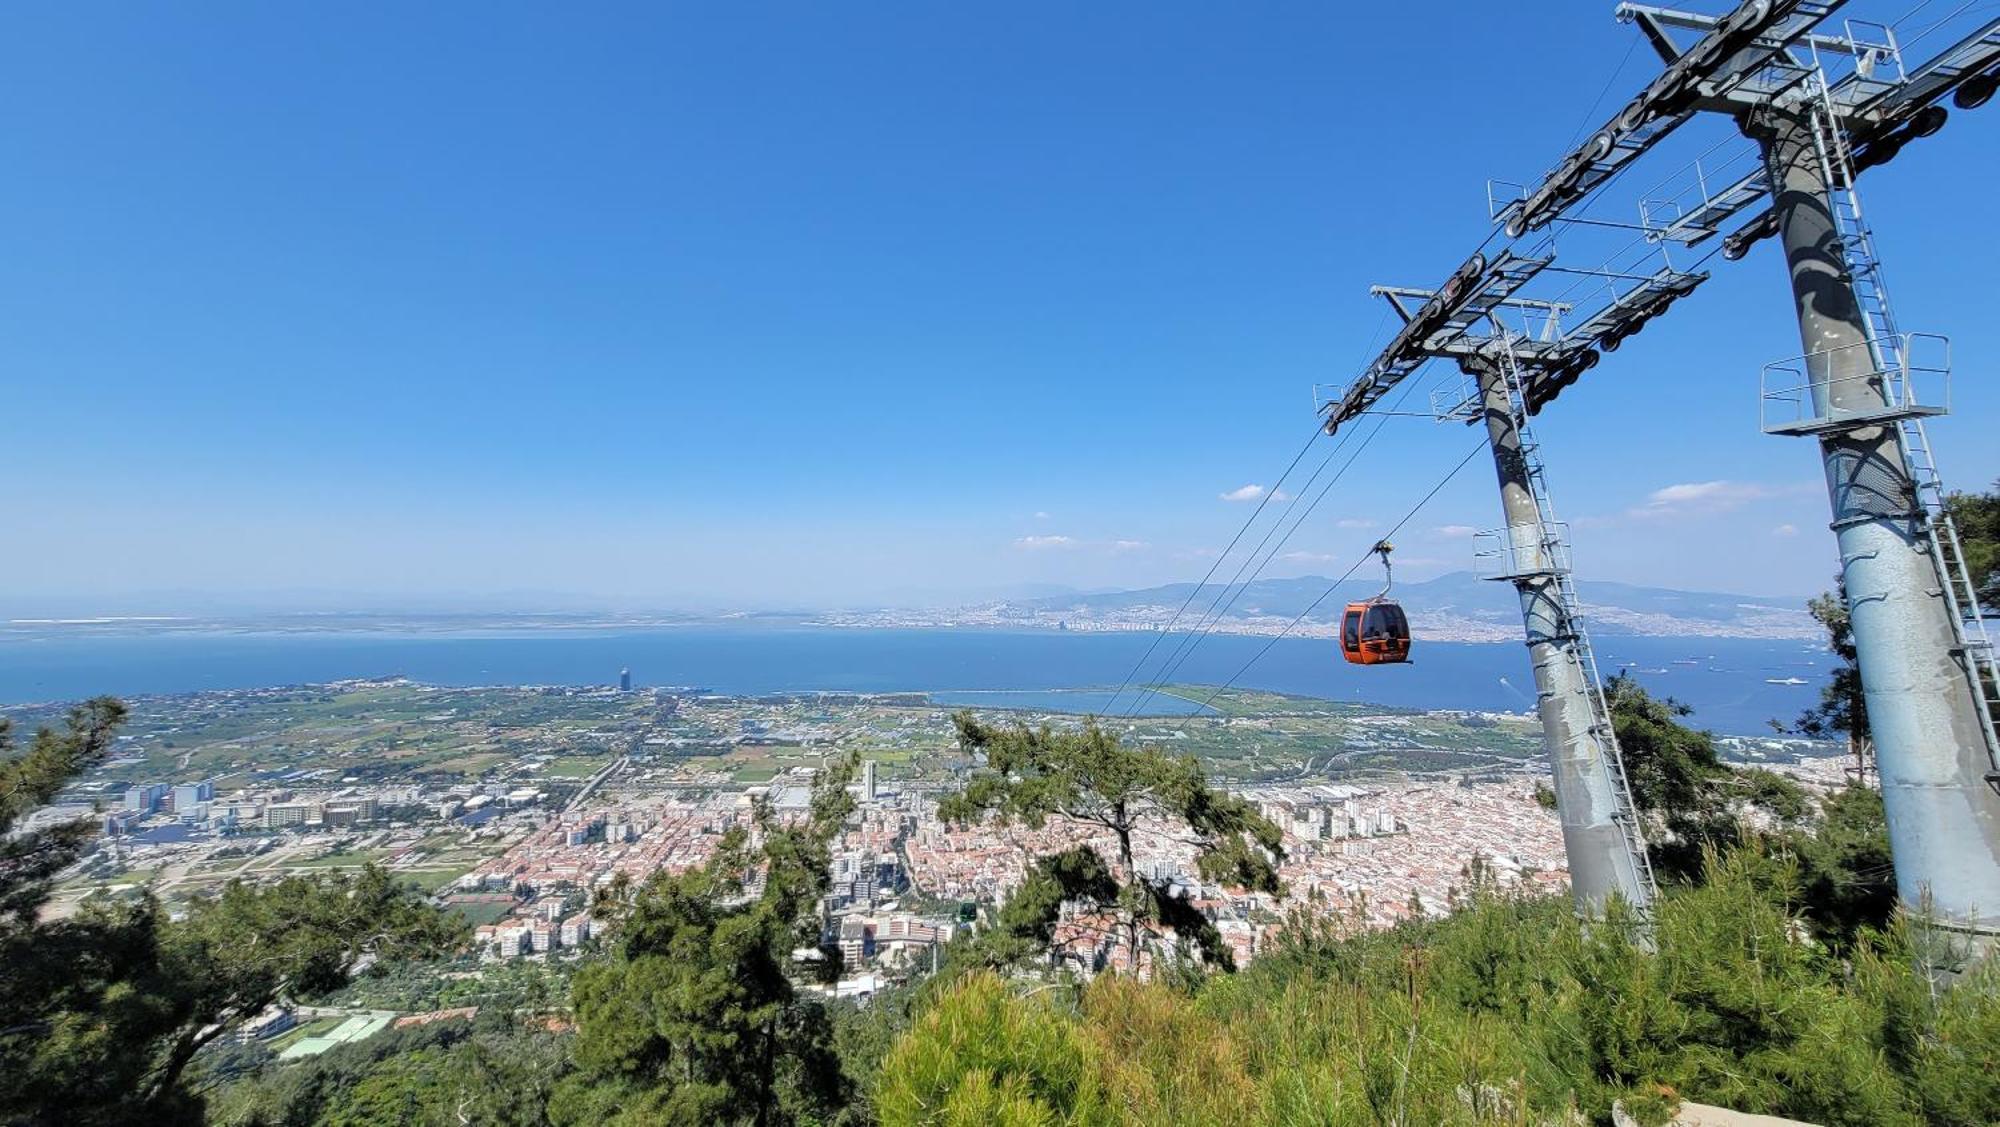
808,304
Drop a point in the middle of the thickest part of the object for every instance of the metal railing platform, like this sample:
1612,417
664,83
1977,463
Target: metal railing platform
1903,377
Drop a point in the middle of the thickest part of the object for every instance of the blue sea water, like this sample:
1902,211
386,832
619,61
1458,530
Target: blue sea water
1723,679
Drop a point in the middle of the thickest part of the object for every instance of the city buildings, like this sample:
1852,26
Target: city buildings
187,796
520,805
281,814
144,798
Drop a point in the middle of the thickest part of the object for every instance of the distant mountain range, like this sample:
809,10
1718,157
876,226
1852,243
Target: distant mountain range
1455,607
1458,606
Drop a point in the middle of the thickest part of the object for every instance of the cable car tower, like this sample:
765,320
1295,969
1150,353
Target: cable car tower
1820,109
1461,322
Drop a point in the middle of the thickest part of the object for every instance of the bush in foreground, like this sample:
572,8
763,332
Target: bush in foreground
1508,1011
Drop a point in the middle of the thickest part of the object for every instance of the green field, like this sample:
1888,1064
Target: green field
481,912
576,767
350,860
430,880
316,1027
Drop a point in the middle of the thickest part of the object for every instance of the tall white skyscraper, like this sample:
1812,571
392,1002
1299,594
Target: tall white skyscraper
868,779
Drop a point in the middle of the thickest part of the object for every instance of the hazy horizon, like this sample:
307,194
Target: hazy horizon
304,601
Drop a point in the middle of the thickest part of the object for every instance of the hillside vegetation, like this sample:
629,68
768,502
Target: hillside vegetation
1507,1011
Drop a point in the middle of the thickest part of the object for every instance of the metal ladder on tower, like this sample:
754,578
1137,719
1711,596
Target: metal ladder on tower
1891,360
1554,563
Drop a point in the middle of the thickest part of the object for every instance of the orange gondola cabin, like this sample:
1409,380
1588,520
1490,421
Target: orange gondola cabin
1376,631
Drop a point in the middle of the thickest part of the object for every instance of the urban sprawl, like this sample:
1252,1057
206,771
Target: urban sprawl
517,805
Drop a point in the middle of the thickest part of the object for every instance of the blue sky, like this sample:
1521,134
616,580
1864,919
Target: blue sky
813,304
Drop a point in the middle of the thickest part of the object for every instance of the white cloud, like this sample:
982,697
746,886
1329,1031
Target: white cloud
1696,499
1705,493
1038,543
1254,492
1129,545
1309,557
1355,522
1703,497
1456,531
1041,516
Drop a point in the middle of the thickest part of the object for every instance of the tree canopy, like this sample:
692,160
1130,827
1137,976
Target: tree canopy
1695,806
29,861
1692,801
693,1018
1978,518
1091,779
102,1012
1842,710
491,1071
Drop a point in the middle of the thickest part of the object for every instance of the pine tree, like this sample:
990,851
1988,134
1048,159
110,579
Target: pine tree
1842,711
102,1013
30,861
1845,859
693,1018
1088,778
1694,803
1978,518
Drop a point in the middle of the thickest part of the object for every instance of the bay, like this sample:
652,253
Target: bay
1726,681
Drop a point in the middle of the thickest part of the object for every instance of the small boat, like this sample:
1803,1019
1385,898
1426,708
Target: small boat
1786,681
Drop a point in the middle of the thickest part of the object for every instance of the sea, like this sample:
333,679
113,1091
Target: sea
1727,682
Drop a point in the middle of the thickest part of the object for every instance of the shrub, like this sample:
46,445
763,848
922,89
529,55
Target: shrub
1509,1010
985,1054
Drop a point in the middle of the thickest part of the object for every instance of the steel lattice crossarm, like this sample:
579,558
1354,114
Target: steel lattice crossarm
1761,52
1471,294
1881,104
1728,62
1880,92
1549,368
1548,363
1969,70
1723,59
